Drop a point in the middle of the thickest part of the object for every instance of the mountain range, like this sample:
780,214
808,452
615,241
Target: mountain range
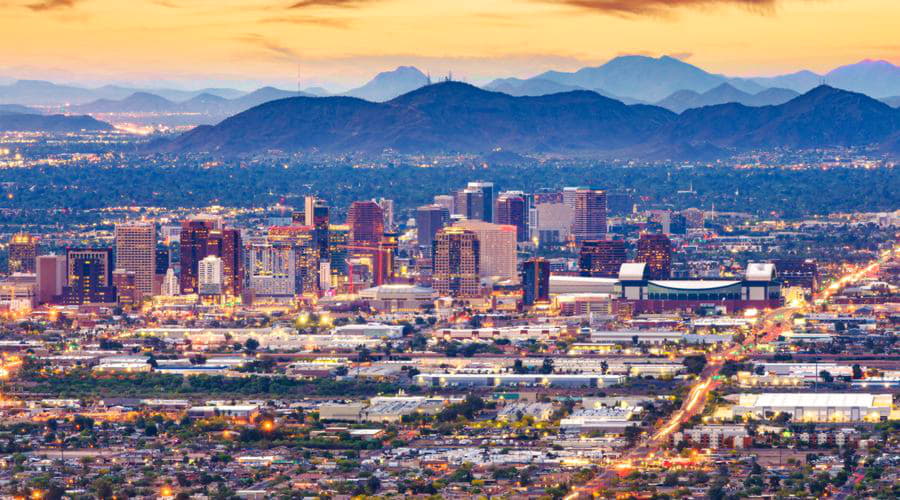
205,103
457,117
28,122
725,93
650,79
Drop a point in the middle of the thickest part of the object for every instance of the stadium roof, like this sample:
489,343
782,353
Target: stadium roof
694,284
632,271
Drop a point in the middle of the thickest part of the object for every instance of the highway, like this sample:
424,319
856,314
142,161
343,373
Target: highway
772,324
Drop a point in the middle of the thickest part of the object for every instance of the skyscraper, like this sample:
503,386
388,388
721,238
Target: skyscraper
656,251
170,286
456,263
194,236
272,272
447,201
51,277
227,245
136,252
429,220
469,203
535,281
366,221
202,237
211,275
387,207
89,277
601,258
22,253
590,215
488,197
302,240
497,248
513,211
316,214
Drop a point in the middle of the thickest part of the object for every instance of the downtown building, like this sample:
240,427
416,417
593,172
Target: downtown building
601,258
201,237
589,207
22,257
456,260
136,253
497,248
535,282
512,210
429,220
89,277
655,250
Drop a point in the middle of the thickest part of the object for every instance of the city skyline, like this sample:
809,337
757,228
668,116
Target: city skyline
344,43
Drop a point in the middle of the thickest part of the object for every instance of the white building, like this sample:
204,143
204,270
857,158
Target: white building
210,275
170,285
816,407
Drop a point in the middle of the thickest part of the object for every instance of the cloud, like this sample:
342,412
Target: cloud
279,51
52,5
326,22
303,4
630,8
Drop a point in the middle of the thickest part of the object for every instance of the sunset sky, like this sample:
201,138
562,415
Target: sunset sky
191,43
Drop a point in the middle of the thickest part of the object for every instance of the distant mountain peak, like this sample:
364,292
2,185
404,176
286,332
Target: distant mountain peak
390,84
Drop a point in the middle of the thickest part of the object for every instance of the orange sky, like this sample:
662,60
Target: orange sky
247,42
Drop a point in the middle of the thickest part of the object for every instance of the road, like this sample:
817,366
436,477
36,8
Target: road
772,324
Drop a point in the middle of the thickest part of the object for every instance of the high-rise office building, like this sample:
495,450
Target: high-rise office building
366,221
469,203
497,248
211,275
488,197
447,201
656,251
194,236
429,220
125,282
22,256
456,263
51,277
512,210
535,281
590,215
202,237
163,260
272,272
601,258
338,240
387,207
170,286
302,240
89,278
136,252
316,214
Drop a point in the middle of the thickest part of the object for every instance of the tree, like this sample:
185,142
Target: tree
857,372
518,367
695,363
826,376
547,366
251,344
